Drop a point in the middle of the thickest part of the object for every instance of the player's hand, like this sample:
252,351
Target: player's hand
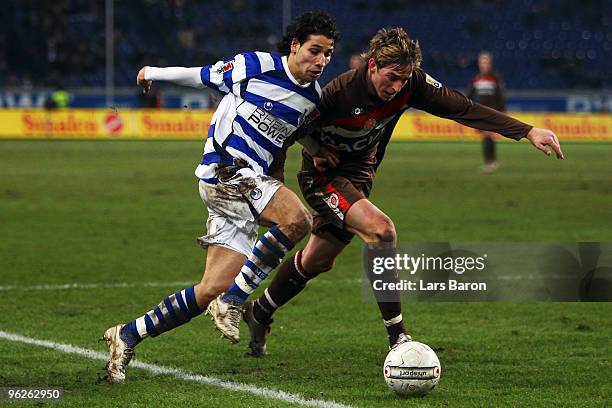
141,81
544,140
326,157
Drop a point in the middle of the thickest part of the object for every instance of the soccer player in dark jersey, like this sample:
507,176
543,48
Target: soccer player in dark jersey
357,114
487,89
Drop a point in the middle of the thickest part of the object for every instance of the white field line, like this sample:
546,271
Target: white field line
95,285
179,373
344,281
66,286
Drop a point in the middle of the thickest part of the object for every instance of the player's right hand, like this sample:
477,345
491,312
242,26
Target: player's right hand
141,81
542,139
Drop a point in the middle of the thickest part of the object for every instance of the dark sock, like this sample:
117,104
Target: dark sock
389,302
488,149
287,283
392,312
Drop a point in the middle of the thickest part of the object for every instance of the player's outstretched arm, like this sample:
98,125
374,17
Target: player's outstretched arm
178,75
542,139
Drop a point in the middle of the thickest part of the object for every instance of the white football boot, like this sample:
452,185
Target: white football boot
402,338
226,317
120,354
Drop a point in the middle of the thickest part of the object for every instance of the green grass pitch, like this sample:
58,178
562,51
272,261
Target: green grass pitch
113,212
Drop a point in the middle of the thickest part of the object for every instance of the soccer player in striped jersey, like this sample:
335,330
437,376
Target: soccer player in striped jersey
266,98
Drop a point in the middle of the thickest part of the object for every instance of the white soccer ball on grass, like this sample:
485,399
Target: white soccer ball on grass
412,369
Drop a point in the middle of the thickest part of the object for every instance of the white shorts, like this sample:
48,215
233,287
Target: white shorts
234,206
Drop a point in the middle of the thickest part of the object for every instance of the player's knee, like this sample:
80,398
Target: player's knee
383,231
387,232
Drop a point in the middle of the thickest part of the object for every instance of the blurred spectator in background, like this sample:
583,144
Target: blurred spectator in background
487,88
59,98
542,44
356,61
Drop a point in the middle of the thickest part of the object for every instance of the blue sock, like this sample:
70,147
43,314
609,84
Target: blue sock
173,311
267,253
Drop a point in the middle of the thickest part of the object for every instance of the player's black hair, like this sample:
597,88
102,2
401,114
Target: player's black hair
309,23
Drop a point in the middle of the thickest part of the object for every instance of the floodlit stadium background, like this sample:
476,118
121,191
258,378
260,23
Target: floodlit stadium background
554,57
98,216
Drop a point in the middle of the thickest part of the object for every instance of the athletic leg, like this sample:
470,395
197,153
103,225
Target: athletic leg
289,281
378,232
292,222
317,257
174,310
230,235
488,151
362,218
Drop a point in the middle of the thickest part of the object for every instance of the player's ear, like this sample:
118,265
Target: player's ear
295,45
372,65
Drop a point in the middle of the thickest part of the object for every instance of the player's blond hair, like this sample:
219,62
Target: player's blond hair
393,46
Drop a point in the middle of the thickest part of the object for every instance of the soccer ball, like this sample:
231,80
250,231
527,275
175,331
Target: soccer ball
412,368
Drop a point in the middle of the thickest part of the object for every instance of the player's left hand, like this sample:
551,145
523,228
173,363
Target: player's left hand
141,81
542,139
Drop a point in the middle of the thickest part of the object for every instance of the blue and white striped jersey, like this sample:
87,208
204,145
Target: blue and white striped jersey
263,105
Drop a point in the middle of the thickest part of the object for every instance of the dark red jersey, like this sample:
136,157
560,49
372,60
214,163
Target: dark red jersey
352,118
488,89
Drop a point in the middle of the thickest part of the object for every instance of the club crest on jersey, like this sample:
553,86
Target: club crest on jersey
226,67
334,200
268,105
369,124
256,194
432,82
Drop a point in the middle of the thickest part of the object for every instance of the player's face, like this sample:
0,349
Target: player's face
388,81
484,64
308,60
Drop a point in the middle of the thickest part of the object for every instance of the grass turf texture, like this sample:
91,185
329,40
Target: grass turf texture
112,212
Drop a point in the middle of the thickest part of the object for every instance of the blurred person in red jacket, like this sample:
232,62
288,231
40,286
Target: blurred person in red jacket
487,88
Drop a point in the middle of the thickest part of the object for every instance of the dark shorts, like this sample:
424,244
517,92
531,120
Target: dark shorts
331,196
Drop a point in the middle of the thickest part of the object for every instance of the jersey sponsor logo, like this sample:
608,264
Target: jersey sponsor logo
226,67
432,82
269,126
348,145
